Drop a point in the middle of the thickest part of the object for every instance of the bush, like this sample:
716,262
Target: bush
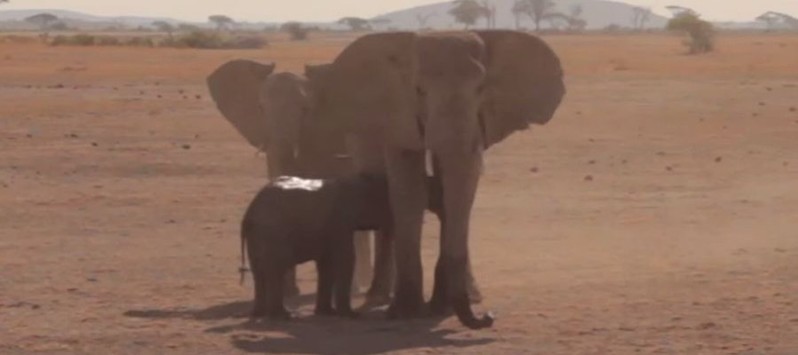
215,40
200,39
702,33
107,41
74,40
296,31
195,39
139,42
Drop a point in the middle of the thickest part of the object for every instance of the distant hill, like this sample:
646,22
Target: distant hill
598,14
13,19
132,21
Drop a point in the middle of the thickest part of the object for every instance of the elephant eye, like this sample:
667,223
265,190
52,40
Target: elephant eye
420,91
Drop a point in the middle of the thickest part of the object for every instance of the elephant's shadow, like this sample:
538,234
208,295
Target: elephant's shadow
372,334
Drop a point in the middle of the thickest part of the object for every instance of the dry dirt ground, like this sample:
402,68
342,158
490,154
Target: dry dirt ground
657,213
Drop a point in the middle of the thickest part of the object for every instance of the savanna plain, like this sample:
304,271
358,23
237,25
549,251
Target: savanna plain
656,213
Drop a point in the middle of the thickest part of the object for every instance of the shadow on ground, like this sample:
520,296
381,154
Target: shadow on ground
239,309
371,334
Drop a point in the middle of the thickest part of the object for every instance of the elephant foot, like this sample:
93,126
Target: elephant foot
439,307
330,312
281,314
348,314
406,308
474,294
258,313
324,311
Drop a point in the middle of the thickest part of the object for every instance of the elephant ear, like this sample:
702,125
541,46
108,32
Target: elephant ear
523,85
235,87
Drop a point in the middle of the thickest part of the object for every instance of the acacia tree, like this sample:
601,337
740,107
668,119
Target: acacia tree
772,19
355,23
295,30
468,12
490,13
222,22
575,20
701,32
536,10
640,17
45,21
164,26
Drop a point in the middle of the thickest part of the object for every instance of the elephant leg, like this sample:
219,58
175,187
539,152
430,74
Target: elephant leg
384,269
439,303
324,285
290,287
364,272
275,275
408,193
460,173
260,306
344,260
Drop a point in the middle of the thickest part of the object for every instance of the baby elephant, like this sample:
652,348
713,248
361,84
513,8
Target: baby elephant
293,220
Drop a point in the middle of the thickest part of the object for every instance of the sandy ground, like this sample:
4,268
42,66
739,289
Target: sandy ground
657,213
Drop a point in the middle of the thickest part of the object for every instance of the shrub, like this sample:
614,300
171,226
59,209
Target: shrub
702,33
74,40
200,39
295,30
139,42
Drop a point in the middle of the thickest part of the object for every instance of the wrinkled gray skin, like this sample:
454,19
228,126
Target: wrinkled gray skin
452,95
292,221
271,111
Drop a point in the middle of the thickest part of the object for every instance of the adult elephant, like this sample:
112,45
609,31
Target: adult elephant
451,95
272,111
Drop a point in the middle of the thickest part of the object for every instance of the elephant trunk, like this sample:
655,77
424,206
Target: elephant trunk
458,297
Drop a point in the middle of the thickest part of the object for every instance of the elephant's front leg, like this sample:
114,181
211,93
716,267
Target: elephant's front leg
384,269
364,272
460,177
408,192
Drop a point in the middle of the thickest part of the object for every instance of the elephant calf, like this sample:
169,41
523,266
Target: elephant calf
293,220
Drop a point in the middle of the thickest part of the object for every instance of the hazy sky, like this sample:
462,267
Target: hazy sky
327,10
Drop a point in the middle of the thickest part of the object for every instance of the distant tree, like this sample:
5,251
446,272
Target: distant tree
295,30
43,20
423,19
701,32
769,20
468,12
355,23
640,17
678,10
490,13
536,10
165,27
221,22
772,19
519,10
575,20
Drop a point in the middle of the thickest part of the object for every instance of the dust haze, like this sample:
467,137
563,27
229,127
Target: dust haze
655,213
